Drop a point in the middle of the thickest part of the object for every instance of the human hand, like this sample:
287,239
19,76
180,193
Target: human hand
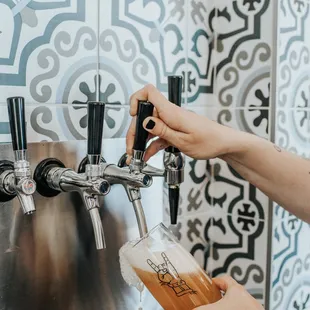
195,135
236,297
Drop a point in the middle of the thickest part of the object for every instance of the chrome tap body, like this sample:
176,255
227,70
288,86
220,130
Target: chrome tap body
89,185
16,180
54,178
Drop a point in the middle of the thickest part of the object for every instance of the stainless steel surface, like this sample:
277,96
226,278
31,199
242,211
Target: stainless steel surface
141,220
49,259
20,155
174,166
19,182
137,163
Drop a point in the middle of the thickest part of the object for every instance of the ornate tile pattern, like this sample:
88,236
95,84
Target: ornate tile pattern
290,246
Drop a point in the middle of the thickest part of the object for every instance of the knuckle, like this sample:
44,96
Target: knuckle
150,87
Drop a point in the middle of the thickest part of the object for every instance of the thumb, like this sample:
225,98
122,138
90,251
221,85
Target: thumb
158,128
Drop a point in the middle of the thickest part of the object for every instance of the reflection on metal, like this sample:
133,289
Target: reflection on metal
49,259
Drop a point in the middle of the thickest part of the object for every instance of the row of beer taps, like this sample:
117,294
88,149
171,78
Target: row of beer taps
94,176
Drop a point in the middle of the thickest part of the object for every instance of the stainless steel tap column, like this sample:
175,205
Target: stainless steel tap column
52,176
174,160
15,179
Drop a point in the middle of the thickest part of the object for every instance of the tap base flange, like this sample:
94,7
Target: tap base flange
85,161
6,165
40,176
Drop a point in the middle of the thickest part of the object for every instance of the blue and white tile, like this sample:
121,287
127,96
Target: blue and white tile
244,55
293,131
290,265
200,83
239,248
141,43
51,44
233,195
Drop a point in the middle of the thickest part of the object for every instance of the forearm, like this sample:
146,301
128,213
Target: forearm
282,176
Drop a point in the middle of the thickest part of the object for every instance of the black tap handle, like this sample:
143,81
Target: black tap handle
175,84
145,110
95,115
16,110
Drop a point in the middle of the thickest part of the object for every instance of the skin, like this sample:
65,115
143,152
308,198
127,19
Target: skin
282,176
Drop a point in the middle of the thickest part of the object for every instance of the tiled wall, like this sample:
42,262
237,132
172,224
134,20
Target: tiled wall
290,285
60,54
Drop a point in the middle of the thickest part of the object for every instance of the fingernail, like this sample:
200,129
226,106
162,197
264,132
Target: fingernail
150,125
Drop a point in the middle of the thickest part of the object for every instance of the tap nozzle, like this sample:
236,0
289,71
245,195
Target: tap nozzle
18,181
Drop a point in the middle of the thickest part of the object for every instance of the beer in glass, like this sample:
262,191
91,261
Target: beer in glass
169,272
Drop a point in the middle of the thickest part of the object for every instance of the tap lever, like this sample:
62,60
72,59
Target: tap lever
95,131
16,111
175,83
145,110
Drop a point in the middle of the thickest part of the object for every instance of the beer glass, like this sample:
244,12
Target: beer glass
170,273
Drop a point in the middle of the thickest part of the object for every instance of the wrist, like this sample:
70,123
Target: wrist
236,143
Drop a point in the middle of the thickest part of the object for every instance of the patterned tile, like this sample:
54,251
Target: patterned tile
239,248
293,130
141,43
290,265
200,83
50,45
251,120
233,195
243,52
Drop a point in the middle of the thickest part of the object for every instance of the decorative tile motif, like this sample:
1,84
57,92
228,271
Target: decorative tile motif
291,251
243,53
290,267
231,194
293,130
239,249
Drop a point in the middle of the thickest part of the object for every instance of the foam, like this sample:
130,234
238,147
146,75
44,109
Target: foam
127,271
182,261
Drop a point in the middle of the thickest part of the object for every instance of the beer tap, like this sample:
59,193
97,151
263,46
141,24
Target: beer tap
174,160
137,175
15,178
53,177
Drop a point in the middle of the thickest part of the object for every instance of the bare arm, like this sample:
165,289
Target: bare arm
284,177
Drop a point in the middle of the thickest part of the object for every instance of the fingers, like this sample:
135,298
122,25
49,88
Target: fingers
150,93
130,137
155,147
158,128
172,115
224,283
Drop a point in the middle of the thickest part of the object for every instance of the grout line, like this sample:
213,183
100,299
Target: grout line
272,138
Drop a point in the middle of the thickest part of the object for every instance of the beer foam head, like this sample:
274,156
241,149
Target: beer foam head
148,251
127,271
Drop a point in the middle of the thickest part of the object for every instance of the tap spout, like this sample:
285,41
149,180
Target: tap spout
98,229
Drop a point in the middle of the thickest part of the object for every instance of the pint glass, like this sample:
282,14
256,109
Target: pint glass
169,272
